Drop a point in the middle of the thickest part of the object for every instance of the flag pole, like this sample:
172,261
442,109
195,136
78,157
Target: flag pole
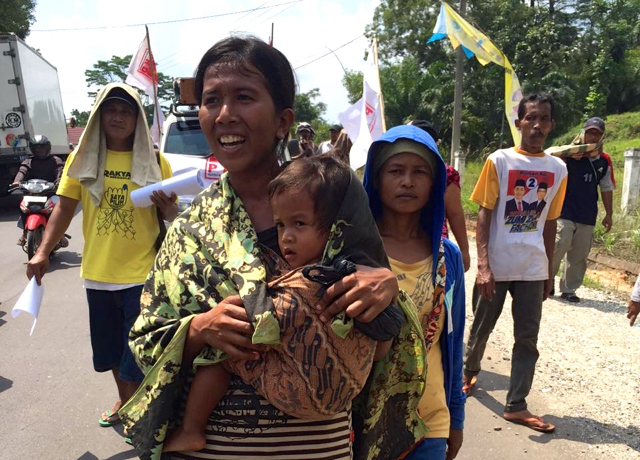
380,98
457,95
155,84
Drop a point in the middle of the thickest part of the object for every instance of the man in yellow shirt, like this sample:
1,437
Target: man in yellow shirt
515,250
114,157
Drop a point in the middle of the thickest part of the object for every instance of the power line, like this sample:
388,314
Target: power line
168,22
330,51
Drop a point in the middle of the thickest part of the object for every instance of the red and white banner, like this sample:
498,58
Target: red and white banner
363,120
142,70
142,74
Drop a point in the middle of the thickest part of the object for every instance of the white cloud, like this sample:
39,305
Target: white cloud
302,32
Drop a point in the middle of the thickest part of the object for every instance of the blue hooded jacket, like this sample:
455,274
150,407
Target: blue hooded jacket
431,219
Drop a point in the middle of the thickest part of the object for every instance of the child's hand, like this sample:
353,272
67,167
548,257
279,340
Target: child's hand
363,294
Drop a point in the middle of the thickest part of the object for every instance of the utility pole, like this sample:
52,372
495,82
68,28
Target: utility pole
457,102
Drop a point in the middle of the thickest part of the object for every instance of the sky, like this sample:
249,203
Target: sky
304,31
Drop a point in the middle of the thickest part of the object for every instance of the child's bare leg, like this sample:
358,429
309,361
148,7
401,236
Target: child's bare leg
209,386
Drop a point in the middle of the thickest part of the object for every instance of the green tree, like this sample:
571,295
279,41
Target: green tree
115,70
81,117
16,16
310,111
586,52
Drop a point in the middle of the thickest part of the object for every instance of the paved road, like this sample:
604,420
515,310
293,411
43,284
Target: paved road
51,399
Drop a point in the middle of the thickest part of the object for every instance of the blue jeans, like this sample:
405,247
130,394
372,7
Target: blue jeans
430,449
111,316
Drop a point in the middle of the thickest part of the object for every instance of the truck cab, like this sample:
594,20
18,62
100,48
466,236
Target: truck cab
183,144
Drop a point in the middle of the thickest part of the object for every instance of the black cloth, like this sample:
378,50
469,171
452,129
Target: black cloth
581,199
49,169
511,207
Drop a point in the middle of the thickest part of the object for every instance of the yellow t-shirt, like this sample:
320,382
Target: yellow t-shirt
119,238
417,280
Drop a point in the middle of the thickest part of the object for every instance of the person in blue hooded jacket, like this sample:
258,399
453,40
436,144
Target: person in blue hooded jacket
406,179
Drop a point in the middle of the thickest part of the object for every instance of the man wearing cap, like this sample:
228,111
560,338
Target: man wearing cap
114,157
327,146
587,171
303,146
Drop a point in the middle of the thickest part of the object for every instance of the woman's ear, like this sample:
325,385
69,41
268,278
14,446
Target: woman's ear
285,121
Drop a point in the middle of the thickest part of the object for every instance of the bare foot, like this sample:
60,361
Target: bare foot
184,441
526,418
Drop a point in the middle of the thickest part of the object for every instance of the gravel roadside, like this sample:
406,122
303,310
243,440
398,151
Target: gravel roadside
588,374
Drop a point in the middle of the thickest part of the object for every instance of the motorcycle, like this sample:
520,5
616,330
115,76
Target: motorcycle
36,206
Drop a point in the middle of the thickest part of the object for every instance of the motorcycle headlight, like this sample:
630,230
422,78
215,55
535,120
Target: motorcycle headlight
35,188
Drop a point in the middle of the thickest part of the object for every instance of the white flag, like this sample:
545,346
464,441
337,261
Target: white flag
141,73
156,129
363,120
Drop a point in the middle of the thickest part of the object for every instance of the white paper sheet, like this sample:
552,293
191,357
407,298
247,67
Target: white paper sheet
189,183
30,301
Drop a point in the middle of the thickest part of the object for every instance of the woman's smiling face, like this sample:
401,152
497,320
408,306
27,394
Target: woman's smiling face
239,119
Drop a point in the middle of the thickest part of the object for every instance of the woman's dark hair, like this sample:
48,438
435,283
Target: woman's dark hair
324,177
540,98
237,53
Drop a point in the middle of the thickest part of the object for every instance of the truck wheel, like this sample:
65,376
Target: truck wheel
34,238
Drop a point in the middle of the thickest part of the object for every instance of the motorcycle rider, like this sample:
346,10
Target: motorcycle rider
41,165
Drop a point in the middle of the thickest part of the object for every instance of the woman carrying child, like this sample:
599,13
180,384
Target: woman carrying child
207,297
406,180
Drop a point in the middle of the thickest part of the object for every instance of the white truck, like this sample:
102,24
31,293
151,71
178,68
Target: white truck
30,104
183,143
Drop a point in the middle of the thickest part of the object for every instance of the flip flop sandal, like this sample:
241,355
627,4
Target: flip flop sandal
111,419
469,384
127,439
535,423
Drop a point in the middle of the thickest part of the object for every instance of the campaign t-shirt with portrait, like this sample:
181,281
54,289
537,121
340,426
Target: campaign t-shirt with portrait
524,190
119,237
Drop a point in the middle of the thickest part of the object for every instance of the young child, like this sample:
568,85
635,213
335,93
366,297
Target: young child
303,381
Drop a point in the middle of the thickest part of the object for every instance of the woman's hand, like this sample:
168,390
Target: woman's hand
454,443
363,294
227,328
167,205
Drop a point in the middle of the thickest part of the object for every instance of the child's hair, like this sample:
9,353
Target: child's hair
324,177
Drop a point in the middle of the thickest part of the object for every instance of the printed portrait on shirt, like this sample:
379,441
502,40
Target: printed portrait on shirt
526,199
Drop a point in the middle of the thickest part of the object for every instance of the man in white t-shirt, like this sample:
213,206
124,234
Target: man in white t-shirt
327,146
515,250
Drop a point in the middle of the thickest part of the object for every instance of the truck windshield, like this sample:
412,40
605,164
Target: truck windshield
185,137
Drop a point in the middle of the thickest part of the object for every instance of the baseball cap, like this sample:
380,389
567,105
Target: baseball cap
335,128
120,94
594,123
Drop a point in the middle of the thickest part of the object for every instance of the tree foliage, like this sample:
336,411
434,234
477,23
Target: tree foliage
82,118
310,111
586,52
16,16
115,70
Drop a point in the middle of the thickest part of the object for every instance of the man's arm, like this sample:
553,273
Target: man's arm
549,237
455,216
57,225
23,172
607,201
484,279
59,170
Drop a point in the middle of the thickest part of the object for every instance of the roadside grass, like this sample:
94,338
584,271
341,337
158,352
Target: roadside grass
623,241
592,283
